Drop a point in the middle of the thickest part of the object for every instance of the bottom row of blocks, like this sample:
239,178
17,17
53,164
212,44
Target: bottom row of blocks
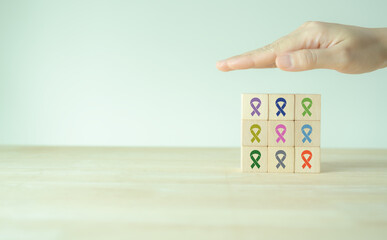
281,159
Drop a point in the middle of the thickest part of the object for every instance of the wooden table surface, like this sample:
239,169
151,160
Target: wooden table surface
191,193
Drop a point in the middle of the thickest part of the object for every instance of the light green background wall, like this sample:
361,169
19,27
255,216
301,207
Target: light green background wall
143,73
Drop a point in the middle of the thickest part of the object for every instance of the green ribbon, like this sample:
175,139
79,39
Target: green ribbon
306,108
255,160
255,133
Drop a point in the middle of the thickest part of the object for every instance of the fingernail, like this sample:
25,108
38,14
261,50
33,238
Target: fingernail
221,65
285,61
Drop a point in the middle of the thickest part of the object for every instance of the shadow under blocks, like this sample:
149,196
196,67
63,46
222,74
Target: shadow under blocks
281,133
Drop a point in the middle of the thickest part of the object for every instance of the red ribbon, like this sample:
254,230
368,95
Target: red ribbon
306,152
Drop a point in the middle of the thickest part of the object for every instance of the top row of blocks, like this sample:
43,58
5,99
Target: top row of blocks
281,106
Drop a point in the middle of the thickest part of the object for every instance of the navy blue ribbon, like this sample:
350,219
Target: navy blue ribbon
281,108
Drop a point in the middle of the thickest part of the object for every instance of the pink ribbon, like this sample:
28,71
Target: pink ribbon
280,134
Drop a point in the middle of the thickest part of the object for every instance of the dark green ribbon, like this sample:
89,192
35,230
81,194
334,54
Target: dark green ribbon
255,160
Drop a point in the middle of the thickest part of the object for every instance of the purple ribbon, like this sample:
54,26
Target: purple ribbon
255,108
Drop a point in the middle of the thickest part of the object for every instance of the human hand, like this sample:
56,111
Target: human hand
344,48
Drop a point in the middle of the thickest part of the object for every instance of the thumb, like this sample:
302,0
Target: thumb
306,59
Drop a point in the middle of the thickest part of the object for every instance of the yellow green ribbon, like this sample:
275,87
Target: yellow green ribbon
255,133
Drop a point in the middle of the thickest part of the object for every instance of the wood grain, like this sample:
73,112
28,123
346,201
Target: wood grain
190,193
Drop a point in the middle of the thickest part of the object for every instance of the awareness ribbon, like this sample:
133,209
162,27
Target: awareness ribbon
306,108
255,160
255,108
280,160
306,152
306,134
255,133
280,108
282,133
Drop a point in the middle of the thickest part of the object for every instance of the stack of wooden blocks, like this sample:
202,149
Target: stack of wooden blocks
281,133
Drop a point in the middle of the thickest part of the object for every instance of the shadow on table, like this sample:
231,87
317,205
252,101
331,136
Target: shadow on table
348,166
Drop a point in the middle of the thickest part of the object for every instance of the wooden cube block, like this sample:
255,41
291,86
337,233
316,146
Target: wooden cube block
307,159
255,106
281,133
281,107
254,133
307,133
280,159
307,107
254,159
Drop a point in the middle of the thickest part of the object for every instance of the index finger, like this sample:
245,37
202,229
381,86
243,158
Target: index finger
260,58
